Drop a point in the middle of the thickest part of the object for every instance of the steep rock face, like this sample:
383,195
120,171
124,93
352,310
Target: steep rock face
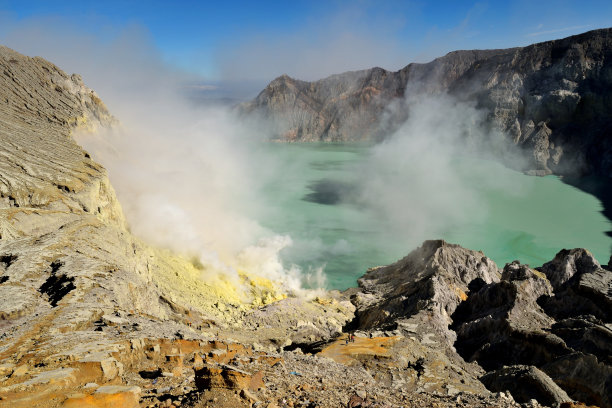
526,383
565,332
540,333
426,285
350,106
42,167
552,99
73,280
66,256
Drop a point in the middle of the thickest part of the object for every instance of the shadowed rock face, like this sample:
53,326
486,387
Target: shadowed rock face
526,383
502,324
565,332
583,286
555,318
552,99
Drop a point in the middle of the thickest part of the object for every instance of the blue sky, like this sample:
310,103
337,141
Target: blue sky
259,40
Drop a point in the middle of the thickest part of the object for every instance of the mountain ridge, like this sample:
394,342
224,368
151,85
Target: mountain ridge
538,96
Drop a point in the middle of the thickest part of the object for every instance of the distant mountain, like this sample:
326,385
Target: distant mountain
552,99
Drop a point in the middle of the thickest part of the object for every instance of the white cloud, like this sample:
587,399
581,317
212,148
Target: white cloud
559,30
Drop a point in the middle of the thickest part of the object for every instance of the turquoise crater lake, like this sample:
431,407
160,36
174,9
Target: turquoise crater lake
504,213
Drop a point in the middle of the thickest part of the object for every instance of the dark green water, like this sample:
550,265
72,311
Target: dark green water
506,214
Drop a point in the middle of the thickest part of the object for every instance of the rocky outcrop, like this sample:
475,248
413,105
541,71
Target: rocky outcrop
428,284
533,330
587,291
566,264
502,324
551,99
526,383
565,332
411,303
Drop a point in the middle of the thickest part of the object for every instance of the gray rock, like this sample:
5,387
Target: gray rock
537,95
525,383
566,264
586,292
583,377
502,323
433,279
588,335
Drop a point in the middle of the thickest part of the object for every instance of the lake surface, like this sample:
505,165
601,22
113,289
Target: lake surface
317,200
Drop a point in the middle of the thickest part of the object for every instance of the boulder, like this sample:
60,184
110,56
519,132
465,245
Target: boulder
225,376
432,279
525,383
566,264
583,377
502,323
99,366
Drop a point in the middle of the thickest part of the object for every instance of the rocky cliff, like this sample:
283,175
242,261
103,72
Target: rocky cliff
552,99
541,333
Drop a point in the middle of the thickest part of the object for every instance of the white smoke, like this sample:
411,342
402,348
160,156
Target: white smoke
416,185
188,177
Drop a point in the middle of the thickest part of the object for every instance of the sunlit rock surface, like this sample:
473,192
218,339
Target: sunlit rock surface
551,99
